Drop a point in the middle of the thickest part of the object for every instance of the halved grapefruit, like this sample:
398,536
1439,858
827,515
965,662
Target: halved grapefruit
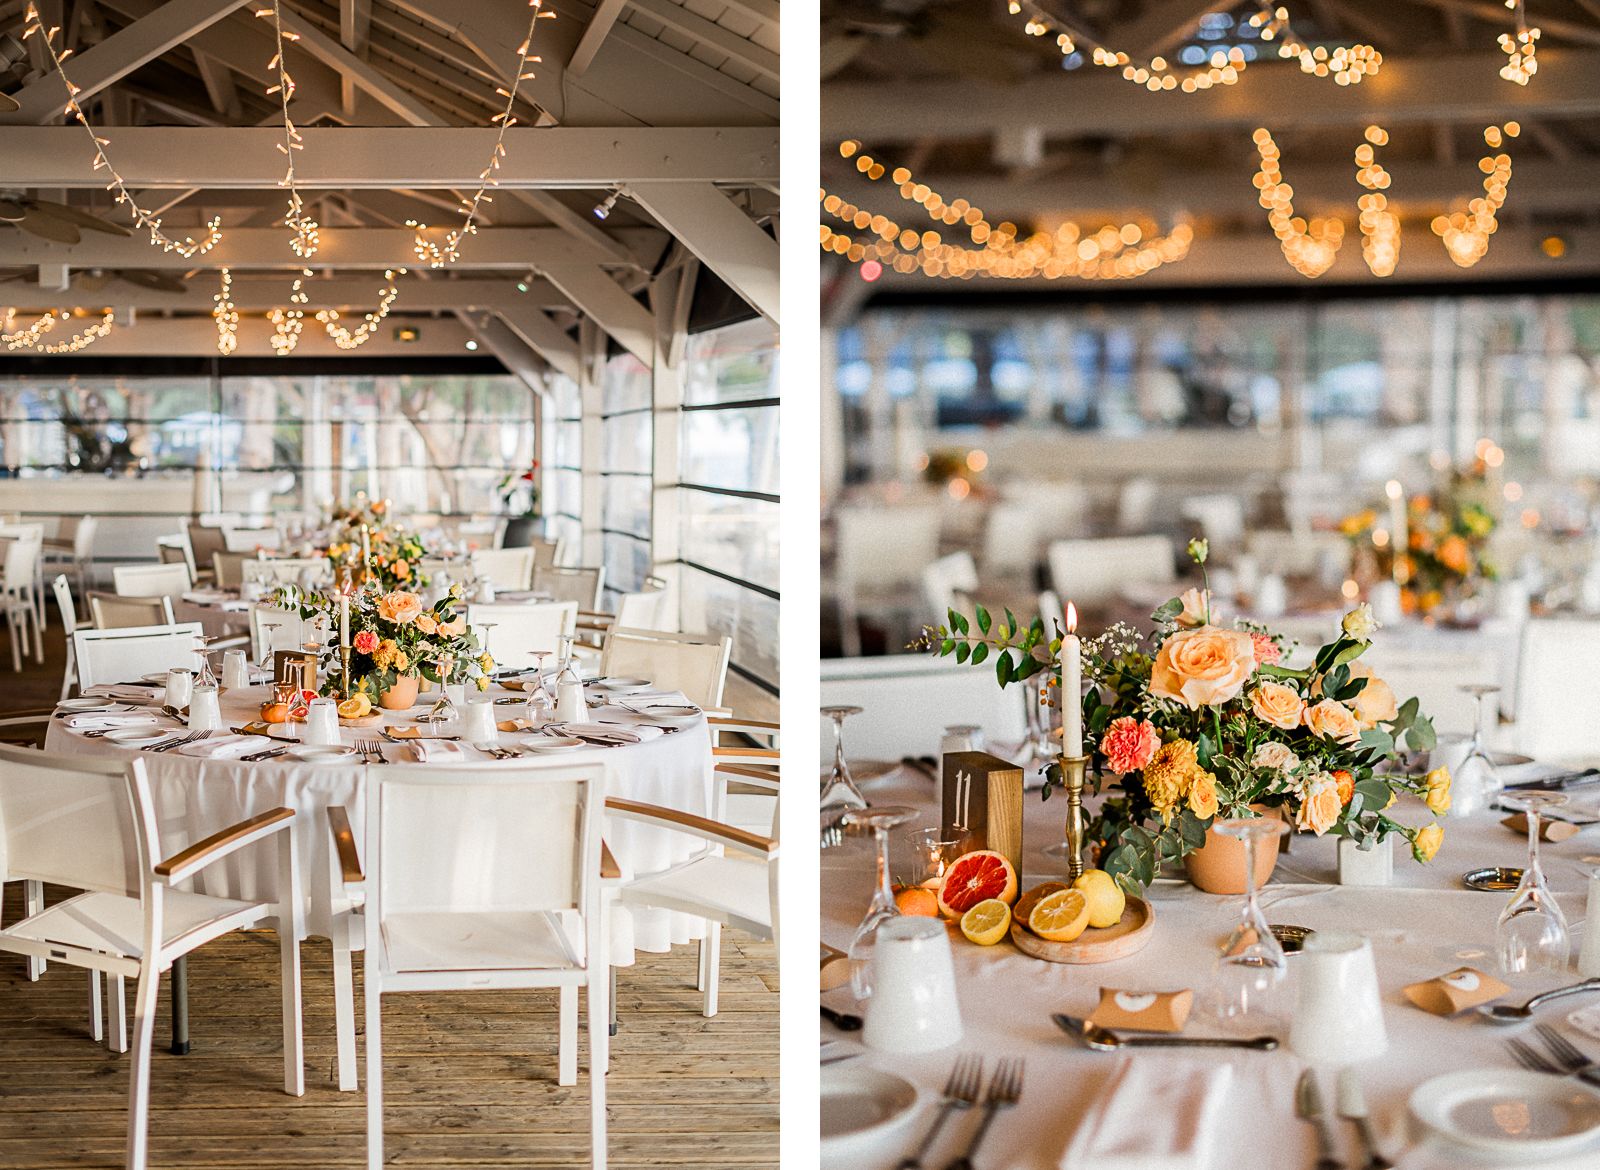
974,877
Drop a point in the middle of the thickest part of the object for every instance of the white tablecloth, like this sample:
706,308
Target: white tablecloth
196,797
1424,925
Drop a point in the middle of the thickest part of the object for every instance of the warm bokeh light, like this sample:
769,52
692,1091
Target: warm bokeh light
977,460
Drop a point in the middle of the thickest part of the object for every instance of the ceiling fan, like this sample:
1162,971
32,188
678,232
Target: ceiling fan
95,279
52,221
12,56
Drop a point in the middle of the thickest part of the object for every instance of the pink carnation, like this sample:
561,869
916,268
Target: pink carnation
1129,744
365,642
1267,651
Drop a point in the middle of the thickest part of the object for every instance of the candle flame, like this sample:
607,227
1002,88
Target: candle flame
1072,618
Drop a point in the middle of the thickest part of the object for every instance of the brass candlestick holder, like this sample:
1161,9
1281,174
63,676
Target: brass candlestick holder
344,666
1072,777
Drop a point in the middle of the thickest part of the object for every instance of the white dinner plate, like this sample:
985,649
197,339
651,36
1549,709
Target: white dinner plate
321,753
621,686
89,704
552,743
155,678
862,1105
139,736
1521,1115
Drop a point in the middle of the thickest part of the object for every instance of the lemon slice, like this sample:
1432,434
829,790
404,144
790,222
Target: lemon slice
1023,910
1061,916
987,922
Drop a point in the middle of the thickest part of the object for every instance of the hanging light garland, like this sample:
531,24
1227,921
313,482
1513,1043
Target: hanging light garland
1466,233
1345,65
1311,246
188,248
362,333
32,337
1519,47
83,340
28,336
305,240
439,255
288,323
226,316
1112,253
1380,227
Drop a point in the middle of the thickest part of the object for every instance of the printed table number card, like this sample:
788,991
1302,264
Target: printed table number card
1142,1011
1455,992
982,794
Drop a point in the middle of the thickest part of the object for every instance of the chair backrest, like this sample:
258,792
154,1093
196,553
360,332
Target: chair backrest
696,664
205,539
1136,504
508,568
247,540
1094,572
546,553
940,691
83,535
107,611
523,839
151,580
122,655
24,544
175,550
283,570
69,612
277,629
573,584
228,568
1558,711
1011,536
948,583
520,630
642,610
77,821
880,545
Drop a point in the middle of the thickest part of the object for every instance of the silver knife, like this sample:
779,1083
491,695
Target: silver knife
1353,1108
1308,1104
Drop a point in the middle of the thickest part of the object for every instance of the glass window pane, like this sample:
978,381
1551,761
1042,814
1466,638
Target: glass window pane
713,605
625,504
732,364
627,442
733,448
627,563
625,385
732,535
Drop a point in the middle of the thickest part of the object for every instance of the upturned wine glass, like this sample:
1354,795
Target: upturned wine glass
1531,935
839,790
1476,781
877,821
1247,980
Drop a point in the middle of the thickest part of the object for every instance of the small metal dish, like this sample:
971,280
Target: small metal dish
1291,938
1493,879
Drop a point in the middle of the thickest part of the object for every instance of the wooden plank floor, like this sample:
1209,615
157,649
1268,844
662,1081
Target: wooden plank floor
470,1077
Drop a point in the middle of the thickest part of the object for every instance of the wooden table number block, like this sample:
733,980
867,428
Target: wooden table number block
982,794
295,666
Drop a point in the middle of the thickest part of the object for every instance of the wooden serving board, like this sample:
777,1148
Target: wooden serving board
1097,944
365,721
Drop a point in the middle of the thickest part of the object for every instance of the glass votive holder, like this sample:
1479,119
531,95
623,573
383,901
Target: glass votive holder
929,852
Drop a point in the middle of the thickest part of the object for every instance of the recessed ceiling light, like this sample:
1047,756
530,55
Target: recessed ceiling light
471,344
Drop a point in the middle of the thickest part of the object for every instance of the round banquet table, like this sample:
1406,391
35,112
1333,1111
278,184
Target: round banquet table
195,797
1423,925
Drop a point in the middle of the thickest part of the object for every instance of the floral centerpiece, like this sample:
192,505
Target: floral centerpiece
392,556
1196,720
522,488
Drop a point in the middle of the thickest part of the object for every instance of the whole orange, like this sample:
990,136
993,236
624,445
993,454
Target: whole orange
917,902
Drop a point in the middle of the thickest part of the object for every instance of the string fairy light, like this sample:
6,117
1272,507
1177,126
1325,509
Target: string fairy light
83,340
1380,227
28,336
1466,233
362,333
188,247
439,255
32,336
287,324
1519,47
305,240
1112,253
226,315
1310,246
1346,65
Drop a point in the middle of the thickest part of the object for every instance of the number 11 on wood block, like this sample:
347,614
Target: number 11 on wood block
982,794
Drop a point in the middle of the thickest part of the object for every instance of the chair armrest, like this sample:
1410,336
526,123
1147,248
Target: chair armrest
595,615
751,776
683,822
593,627
734,723
188,862
344,845
745,753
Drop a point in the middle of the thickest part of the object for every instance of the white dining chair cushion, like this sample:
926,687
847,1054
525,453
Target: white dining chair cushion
484,941
114,922
734,889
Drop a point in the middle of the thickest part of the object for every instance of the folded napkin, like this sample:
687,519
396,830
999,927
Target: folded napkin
438,751
129,692
223,747
636,734
1152,1115
106,720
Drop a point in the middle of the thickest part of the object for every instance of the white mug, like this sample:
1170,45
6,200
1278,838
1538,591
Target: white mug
180,686
235,670
913,1005
477,722
1338,1013
322,722
205,713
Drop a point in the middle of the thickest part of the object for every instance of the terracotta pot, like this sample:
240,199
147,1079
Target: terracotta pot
400,696
1217,867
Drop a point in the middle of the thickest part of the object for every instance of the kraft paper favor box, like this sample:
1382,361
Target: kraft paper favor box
1455,992
1142,1011
982,794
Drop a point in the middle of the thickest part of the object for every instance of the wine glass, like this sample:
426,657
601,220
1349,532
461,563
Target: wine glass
485,629
268,643
541,703
1039,750
1476,780
1531,934
882,908
838,789
1249,973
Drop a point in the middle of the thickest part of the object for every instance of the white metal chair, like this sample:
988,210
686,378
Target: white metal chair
107,611
171,581
227,568
515,902
247,540
639,611
696,664
113,656
1220,517
1558,706
547,553
732,881
578,584
508,568
939,690
1094,572
72,548
948,583
19,560
69,623
880,554
32,535
521,630
204,541
90,824
279,629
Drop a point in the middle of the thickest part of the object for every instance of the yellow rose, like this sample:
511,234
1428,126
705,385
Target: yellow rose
485,663
399,607
483,682
1203,667
426,624
1333,720
1320,806
1359,622
1278,705
1437,798
1426,843
1196,606
1375,703
1203,794
401,662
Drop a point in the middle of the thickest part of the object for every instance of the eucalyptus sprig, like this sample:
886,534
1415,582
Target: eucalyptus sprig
1019,651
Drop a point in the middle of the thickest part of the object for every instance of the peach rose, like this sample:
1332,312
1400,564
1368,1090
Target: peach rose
1196,605
455,627
1203,667
1278,705
1203,794
1375,702
1333,720
399,607
1276,756
1320,807
426,624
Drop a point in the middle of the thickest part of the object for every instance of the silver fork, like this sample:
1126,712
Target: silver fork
1569,1061
960,1092
192,737
1005,1086
168,744
371,750
498,753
